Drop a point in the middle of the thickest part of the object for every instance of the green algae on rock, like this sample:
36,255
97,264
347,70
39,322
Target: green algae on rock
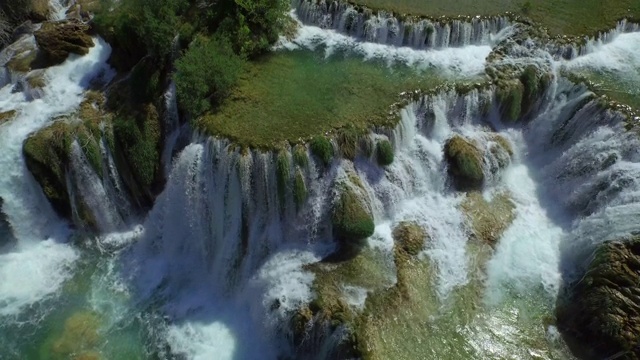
600,314
351,216
464,160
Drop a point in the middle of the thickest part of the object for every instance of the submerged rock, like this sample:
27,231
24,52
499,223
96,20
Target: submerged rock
600,315
79,337
464,159
488,219
57,40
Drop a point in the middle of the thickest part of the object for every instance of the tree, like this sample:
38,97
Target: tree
206,73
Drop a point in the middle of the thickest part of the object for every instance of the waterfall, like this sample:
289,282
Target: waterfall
386,28
573,49
40,261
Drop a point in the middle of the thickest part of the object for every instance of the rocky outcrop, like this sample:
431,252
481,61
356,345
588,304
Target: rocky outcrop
57,40
600,314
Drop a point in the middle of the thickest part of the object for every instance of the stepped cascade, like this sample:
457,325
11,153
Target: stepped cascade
460,230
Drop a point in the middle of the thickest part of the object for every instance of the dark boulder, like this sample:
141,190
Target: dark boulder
57,40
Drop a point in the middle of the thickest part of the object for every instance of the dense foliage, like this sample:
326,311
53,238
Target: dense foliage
206,73
225,32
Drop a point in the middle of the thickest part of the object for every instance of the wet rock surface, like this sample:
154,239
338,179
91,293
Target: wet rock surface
600,314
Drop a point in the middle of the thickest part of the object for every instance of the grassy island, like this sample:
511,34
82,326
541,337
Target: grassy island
292,96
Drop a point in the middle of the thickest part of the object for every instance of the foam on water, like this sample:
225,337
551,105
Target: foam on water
466,61
31,274
622,55
36,268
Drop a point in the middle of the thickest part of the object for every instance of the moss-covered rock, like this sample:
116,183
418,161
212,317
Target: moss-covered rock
57,40
410,237
6,116
510,95
464,160
384,153
283,175
300,156
321,147
299,189
488,219
352,219
348,142
79,337
501,151
600,315
47,154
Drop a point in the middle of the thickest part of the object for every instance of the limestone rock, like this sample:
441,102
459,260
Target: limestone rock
488,219
57,40
600,315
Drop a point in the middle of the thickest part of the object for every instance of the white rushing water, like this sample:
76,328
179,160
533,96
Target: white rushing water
41,260
221,256
455,62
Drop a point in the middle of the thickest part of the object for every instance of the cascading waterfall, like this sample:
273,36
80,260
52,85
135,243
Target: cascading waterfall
223,255
573,50
40,261
385,28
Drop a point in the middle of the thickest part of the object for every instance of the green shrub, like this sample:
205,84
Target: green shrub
384,153
321,147
207,72
139,139
299,189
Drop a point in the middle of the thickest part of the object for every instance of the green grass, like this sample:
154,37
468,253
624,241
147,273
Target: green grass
568,17
293,96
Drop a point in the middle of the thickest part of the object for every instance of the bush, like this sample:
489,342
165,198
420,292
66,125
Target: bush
321,147
207,72
384,153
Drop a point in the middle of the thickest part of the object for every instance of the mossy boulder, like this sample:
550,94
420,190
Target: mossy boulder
600,314
384,153
57,40
409,237
48,152
322,148
488,219
299,189
283,175
79,338
352,219
510,95
465,161
500,151
6,116
300,156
